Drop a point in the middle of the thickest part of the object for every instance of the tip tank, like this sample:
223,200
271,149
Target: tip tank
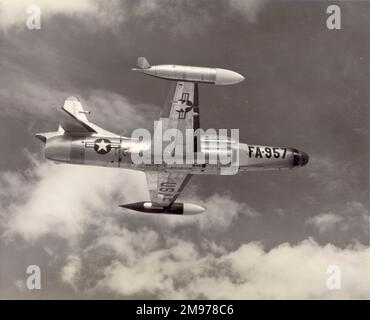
215,76
176,208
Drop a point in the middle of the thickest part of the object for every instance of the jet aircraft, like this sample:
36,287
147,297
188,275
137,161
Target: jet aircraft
78,141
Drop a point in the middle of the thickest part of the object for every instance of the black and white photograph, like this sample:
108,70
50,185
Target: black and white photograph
184,150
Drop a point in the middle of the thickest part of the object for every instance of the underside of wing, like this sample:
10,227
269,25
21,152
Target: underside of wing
181,109
180,116
165,187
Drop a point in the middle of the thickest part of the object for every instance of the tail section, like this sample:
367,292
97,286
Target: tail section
74,122
47,135
142,63
77,121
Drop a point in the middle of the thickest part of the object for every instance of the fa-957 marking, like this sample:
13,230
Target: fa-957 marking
268,152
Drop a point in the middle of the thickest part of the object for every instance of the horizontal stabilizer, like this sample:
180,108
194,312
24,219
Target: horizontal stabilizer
44,136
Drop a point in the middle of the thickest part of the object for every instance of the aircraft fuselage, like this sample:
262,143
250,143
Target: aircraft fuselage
119,152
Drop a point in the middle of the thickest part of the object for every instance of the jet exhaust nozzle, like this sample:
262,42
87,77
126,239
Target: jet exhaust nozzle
175,208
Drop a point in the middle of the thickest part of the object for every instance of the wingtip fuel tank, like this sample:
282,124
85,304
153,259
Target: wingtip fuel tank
176,208
215,76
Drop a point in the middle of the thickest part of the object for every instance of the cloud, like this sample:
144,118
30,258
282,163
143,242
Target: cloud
14,13
180,271
69,203
35,98
114,13
65,200
339,205
325,221
32,98
352,218
150,256
113,253
334,176
72,270
248,8
118,112
221,212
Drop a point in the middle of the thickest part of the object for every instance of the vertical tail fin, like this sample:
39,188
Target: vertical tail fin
142,63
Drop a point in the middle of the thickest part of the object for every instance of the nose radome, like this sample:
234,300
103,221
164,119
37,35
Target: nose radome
225,77
304,158
300,158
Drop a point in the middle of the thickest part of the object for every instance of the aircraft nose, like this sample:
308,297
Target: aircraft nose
304,158
300,158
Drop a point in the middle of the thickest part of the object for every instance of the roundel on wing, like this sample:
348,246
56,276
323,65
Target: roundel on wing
102,146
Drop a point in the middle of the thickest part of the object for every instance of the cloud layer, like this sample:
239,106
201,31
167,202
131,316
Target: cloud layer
113,13
14,13
139,255
249,272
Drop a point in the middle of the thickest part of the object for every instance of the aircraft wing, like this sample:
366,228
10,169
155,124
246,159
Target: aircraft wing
181,113
165,187
181,110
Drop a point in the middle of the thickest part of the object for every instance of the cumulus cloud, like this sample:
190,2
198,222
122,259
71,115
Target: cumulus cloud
221,212
69,203
353,218
181,271
343,210
72,270
130,255
64,200
325,221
